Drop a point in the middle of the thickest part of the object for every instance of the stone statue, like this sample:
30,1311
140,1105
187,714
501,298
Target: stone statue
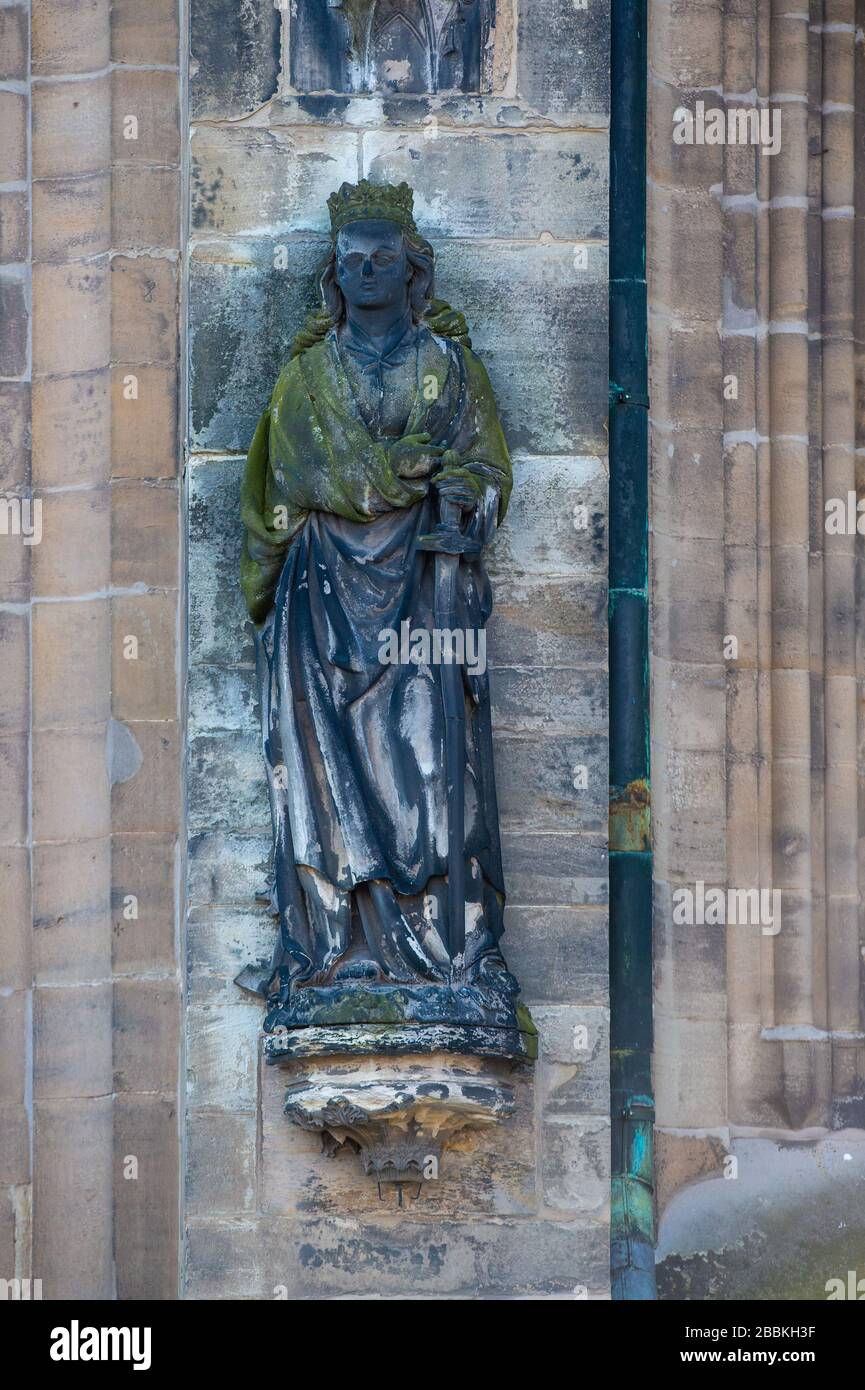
377,474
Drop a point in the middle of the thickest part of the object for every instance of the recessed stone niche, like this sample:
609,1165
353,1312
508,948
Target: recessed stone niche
409,46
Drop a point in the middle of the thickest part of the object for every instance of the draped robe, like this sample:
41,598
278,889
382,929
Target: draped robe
354,741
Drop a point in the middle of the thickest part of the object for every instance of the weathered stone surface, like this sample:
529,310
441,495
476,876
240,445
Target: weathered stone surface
145,208
227,867
14,435
556,522
71,664
72,1192
144,419
145,534
71,317
223,698
13,1051
69,36
249,181
535,781
547,622
144,304
689,587
574,1075
14,321
71,912
682,1159
15,928
235,52
72,1034
13,789
71,127
15,672
147,799
492,1172
558,954
143,867
14,226
71,430
143,686
144,37
788,1224
564,56
146,1035
13,43
146,1197
218,625
538,322
72,556
71,217
152,99
221,1167
15,570
576,1165
70,785
540,325
545,701
14,1143
244,314
690,959
557,868
340,1256
227,788
222,1053
552,182
691,1085
689,840
13,118
221,941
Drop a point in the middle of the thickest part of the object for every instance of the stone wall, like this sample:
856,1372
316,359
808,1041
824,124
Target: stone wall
89,690
756,325
511,187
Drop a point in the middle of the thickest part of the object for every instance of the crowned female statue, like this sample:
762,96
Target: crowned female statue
377,474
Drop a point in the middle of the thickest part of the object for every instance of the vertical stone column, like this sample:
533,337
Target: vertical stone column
787,1004
71,810
15,557
89,856
687,517
146,641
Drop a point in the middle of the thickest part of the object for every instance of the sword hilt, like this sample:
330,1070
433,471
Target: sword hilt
448,538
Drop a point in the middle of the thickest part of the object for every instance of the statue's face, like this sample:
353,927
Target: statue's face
371,265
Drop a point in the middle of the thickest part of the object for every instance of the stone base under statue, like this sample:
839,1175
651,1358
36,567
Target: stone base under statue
400,1072
519,1042
483,1007
398,1112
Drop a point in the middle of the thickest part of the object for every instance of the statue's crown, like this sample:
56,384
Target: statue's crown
365,201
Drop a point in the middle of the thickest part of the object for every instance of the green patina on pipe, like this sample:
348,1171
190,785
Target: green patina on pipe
632,1218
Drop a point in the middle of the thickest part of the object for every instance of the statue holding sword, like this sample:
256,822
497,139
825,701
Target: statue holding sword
377,474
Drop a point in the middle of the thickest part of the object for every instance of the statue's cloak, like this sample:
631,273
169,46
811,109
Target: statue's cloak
354,742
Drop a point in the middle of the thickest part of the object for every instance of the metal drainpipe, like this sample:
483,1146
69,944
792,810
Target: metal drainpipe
633,1113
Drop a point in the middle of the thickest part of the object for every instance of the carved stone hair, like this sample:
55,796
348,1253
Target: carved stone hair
420,257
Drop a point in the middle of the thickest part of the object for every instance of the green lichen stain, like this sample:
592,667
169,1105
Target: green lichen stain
758,1267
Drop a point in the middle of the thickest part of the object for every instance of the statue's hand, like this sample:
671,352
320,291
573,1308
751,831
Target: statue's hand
414,457
456,484
456,490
